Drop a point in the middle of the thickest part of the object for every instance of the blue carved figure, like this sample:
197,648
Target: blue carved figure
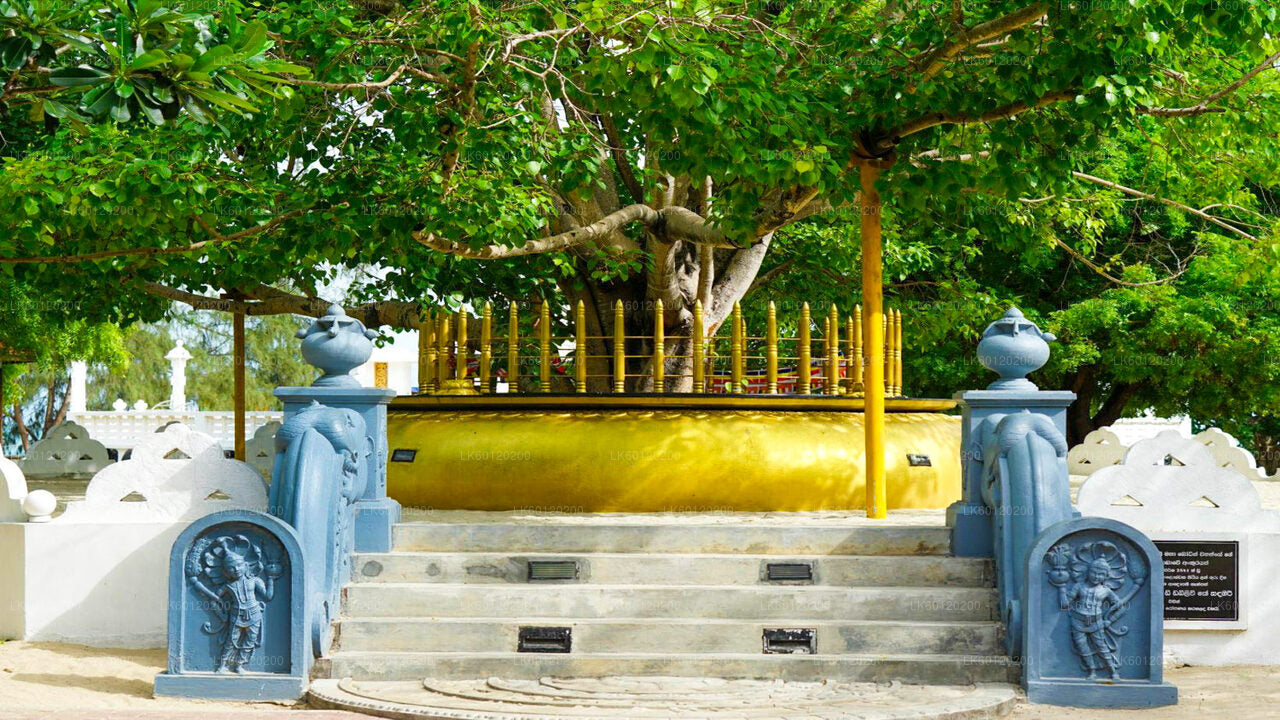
1087,591
233,572
320,472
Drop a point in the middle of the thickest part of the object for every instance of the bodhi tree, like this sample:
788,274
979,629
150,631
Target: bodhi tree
605,150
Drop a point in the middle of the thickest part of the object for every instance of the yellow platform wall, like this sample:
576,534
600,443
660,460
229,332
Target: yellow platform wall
664,460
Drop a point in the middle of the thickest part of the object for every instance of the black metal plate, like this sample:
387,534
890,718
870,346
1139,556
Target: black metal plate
799,572
790,641
917,460
550,570
545,640
405,455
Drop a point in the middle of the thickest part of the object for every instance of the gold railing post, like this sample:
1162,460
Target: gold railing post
462,354
699,345
442,348
802,363
849,357
427,353
826,353
580,347
659,352
544,347
513,348
735,350
486,352
901,350
833,353
897,352
619,348
859,359
771,349
886,336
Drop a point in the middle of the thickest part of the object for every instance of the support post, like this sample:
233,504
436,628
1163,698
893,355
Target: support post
513,348
699,344
873,339
426,354
803,376
442,349
833,352
486,349
580,347
238,362
544,347
462,353
659,352
735,350
619,348
771,350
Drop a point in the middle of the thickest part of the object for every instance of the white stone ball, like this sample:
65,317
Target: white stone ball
39,505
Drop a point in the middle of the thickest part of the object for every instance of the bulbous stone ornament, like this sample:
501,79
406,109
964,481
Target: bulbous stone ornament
336,344
1012,347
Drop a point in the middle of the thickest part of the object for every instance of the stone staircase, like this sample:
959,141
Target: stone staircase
783,596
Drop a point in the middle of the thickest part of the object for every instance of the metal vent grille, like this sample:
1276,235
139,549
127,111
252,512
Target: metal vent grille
789,572
545,640
790,641
544,570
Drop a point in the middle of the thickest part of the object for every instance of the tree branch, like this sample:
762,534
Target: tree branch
218,239
1202,107
924,122
930,63
1148,196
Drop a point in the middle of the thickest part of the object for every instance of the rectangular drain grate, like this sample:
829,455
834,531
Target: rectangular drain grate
789,572
543,570
545,640
790,641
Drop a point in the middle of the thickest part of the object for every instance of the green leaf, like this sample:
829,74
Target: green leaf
149,59
76,76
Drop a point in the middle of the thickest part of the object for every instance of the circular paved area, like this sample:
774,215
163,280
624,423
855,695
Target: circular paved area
659,698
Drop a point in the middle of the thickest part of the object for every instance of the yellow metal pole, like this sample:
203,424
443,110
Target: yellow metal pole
461,354
872,288
735,350
659,352
486,351
544,347
580,347
442,348
427,354
897,352
826,354
849,328
699,345
833,353
802,363
619,349
771,349
513,348
859,359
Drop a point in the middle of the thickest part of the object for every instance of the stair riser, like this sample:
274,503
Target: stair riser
623,637
728,539
638,569
943,671
580,601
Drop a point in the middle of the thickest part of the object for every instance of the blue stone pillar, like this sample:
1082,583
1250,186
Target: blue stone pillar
375,513
337,344
1012,347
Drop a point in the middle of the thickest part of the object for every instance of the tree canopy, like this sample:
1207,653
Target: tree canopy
613,150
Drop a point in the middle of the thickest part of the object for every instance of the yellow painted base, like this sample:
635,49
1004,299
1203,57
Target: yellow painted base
690,460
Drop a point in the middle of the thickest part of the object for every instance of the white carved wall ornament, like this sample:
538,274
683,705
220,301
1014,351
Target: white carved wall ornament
13,492
174,475
68,450
1172,484
260,451
1228,453
1101,448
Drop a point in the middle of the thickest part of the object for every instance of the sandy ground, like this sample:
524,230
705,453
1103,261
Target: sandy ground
73,682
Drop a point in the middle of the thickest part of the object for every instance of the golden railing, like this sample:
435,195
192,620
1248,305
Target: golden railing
727,361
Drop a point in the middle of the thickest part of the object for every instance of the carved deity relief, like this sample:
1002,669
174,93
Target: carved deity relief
239,580
1091,590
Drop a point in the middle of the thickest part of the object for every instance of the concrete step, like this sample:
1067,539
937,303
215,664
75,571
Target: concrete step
673,569
665,636
639,537
903,668
668,601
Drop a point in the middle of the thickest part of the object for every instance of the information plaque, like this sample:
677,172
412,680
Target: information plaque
1202,581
